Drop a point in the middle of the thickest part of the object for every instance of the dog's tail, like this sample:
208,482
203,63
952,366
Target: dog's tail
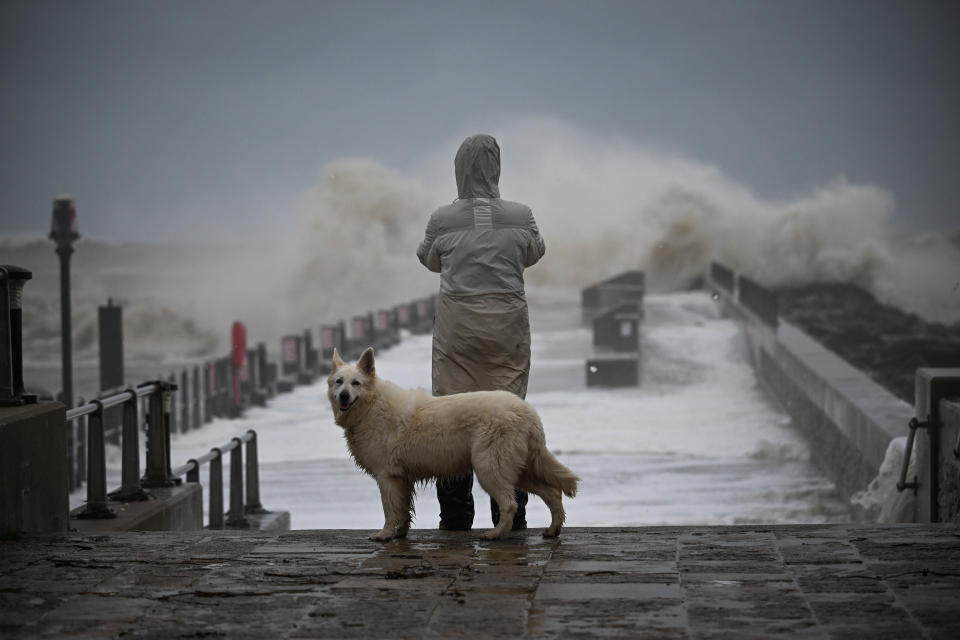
553,472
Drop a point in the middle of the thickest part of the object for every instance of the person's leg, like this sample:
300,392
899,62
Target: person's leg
520,518
456,502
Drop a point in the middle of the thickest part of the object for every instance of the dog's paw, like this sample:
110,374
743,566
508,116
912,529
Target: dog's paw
381,536
490,535
551,532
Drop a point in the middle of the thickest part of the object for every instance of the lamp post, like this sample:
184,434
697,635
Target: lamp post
63,231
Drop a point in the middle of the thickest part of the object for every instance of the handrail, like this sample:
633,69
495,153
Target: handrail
902,484
236,517
159,473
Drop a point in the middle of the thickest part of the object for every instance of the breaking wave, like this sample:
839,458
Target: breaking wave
603,204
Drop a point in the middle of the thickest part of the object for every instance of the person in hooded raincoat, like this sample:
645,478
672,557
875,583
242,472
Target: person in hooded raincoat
480,246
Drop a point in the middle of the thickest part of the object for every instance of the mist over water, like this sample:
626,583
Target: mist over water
603,204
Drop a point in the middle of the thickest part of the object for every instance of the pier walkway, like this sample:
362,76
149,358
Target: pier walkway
816,581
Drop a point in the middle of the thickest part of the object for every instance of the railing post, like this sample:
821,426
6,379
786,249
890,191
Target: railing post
253,476
207,369
236,516
96,507
130,484
158,436
216,490
193,474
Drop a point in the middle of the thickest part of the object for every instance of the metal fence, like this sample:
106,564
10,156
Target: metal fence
158,396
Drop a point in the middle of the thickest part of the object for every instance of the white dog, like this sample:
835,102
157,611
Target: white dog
401,437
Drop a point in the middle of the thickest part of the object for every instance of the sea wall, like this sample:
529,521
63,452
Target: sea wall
948,499
854,426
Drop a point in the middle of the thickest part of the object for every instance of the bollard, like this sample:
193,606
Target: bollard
96,507
196,398
207,392
110,345
158,436
216,489
185,398
236,518
253,504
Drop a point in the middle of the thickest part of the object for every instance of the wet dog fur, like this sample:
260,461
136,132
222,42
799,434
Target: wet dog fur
402,437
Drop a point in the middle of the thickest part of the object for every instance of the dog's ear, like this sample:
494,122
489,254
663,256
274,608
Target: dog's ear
337,361
365,363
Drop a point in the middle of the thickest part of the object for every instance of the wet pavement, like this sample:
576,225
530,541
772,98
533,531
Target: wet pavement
817,581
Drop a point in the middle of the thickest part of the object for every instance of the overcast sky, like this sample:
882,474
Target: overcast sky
153,114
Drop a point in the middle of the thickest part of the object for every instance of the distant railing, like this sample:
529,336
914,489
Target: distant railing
158,472
236,517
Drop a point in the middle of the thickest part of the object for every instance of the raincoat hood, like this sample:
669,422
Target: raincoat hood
477,167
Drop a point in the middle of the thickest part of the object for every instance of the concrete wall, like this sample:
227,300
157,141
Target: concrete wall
177,508
949,471
849,420
33,468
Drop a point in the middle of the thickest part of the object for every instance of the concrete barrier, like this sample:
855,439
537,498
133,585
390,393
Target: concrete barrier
178,508
33,468
949,498
849,420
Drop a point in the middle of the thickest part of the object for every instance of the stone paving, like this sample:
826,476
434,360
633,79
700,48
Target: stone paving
810,581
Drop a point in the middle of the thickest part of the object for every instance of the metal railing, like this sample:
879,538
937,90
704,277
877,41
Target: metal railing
158,471
236,517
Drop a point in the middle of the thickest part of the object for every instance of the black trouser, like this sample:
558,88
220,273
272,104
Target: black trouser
456,504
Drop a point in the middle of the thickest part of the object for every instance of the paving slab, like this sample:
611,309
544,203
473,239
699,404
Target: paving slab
806,581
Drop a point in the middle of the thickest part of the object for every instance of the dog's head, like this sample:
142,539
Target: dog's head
349,384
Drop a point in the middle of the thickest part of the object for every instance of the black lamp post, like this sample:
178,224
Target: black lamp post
63,231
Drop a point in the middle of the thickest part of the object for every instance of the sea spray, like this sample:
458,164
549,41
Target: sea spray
603,204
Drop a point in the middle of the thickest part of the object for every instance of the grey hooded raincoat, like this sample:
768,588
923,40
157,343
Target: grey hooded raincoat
480,246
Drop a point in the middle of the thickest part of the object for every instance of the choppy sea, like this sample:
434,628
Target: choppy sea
698,442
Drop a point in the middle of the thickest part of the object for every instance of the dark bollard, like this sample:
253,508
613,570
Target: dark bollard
310,354
360,337
290,363
196,398
208,374
185,398
110,338
12,392
290,349
264,381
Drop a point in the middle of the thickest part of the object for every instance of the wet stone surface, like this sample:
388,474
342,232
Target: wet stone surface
820,581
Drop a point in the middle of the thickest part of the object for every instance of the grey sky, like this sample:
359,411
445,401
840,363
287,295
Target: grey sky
149,112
